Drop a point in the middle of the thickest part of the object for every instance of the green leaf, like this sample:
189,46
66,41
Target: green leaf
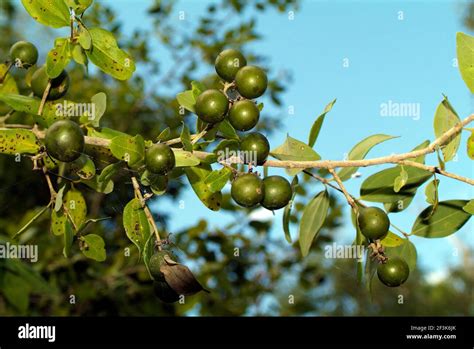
83,166
196,176
58,202
294,150
99,101
75,205
470,146
105,187
108,57
58,222
227,130
85,39
79,6
316,128
216,180
104,132
398,206
79,56
94,247
16,291
420,159
129,149
446,220
158,184
406,251
68,239
392,240
431,192
197,88
31,221
400,180
287,210
164,134
28,274
379,186
9,84
185,158
18,141
312,220
187,100
469,207
58,58
108,171
359,151
136,224
465,54
444,119
53,13
186,138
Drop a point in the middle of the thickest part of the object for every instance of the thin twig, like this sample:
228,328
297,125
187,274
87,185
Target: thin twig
349,198
45,96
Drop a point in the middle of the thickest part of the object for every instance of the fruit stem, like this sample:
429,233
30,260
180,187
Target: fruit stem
149,216
349,198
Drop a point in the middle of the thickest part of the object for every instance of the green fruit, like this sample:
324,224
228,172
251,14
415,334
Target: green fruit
247,190
244,115
155,263
394,272
228,64
251,82
64,140
276,192
24,52
59,85
211,106
164,292
373,223
254,148
160,159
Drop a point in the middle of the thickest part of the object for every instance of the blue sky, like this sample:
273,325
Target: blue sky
364,53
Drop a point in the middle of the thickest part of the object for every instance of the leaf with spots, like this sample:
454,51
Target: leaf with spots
58,58
75,207
136,224
129,149
58,222
83,166
184,158
53,13
9,84
196,176
18,141
108,57
93,247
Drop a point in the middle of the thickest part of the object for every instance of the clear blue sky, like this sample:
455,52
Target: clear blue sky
405,61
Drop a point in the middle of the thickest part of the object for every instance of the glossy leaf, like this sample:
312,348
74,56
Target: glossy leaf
444,119
94,247
469,207
312,220
108,57
316,128
448,218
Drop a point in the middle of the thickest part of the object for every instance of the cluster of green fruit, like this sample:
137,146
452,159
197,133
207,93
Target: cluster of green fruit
213,106
25,55
374,224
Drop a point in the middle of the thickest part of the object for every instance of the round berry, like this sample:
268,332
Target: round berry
276,192
251,82
394,272
25,53
254,148
228,63
244,115
211,106
160,159
64,141
247,190
373,223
